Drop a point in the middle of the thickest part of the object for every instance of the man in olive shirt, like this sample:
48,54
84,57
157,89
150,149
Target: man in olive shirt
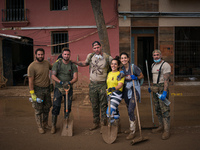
64,73
39,85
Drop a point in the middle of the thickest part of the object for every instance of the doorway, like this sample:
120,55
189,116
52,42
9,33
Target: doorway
16,58
145,47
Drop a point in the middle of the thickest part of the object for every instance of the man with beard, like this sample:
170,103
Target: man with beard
39,85
64,73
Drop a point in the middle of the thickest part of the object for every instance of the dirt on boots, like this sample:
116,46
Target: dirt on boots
54,120
94,127
166,133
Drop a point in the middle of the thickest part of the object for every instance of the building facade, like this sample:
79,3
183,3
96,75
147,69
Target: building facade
51,25
173,26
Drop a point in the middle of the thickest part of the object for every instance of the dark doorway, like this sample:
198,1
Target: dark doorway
17,56
145,47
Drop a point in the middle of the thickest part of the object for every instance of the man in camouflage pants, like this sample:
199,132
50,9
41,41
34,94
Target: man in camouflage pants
99,64
39,85
161,73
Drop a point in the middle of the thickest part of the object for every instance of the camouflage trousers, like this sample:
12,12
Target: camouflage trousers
98,98
44,107
162,111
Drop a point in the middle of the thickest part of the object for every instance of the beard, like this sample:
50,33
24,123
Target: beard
40,60
66,59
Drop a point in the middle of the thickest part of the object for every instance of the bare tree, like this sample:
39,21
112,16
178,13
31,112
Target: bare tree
101,27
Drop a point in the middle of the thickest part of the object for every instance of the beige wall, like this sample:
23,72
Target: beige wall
124,5
179,22
179,5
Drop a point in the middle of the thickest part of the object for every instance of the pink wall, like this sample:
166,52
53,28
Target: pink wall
79,13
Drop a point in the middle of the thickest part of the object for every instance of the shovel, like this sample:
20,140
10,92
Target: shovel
153,124
68,121
141,138
109,133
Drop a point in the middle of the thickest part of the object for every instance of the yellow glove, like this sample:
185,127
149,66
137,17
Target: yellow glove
33,96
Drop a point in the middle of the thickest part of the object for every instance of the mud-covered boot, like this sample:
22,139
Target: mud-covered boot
45,121
54,120
160,127
166,133
94,126
38,119
132,130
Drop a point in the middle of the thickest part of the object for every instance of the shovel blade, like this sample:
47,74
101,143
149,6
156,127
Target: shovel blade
109,134
67,129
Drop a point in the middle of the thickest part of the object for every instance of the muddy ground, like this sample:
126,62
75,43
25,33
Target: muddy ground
18,130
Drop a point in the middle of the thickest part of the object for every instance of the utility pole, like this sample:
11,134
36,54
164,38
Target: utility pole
101,27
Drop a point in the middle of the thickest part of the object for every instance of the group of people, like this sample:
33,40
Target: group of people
110,79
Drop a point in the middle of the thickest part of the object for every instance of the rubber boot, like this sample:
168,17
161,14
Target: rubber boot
38,119
166,133
160,127
45,121
132,130
54,120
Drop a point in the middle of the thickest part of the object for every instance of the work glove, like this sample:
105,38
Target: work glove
111,89
163,96
121,75
149,90
33,96
65,83
133,77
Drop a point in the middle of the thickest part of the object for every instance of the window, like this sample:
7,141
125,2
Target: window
59,4
187,53
58,38
14,11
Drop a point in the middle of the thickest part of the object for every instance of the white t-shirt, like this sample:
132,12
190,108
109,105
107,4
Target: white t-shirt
166,68
98,70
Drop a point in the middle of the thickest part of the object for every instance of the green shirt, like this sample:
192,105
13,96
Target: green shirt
64,73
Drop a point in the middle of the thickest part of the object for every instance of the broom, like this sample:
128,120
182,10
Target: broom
141,138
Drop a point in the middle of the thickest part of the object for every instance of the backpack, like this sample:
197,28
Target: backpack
59,66
141,81
107,62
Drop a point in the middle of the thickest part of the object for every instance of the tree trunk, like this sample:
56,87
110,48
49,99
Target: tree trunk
101,27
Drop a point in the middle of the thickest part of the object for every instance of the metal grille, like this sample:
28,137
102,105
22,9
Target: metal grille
59,4
187,58
57,38
14,11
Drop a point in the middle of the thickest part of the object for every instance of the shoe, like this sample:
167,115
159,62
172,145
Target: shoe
94,127
130,136
158,130
53,129
41,130
165,135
